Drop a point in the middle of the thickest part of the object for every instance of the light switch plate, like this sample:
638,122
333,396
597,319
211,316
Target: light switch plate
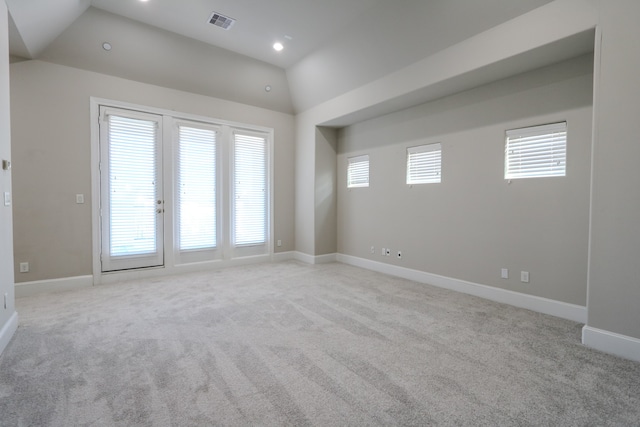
7,198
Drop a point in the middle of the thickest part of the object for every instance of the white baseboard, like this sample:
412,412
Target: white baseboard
7,331
612,343
54,285
317,259
561,309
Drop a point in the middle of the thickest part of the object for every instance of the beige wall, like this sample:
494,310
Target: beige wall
6,249
52,146
474,223
614,282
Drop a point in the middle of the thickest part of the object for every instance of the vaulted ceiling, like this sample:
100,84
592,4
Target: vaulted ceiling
330,46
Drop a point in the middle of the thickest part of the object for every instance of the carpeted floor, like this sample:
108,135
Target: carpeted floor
293,344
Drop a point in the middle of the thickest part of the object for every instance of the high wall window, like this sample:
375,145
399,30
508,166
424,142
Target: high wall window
424,164
179,189
537,151
358,171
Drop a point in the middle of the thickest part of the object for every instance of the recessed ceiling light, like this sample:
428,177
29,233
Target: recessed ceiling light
278,46
106,46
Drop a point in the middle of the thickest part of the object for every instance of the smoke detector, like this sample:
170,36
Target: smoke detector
219,20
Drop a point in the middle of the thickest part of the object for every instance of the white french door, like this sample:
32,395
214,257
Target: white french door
131,195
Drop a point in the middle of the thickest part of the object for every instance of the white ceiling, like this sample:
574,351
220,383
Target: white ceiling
307,23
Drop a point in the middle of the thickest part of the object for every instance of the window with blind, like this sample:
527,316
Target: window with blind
197,227
358,171
535,152
250,216
424,164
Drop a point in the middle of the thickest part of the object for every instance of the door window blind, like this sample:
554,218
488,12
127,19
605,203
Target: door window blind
424,164
196,188
358,171
250,189
132,185
536,151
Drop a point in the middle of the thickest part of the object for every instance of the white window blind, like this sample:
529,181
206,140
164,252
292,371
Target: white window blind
250,189
358,171
424,164
132,185
536,151
196,188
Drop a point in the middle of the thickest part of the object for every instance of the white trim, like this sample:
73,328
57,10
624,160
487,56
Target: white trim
317,259
561,309
7,331
26,289
612,343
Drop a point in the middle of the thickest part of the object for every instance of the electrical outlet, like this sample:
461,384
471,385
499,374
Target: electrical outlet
504,273
383,251
7,198
279,242
24,267
79,199
524,276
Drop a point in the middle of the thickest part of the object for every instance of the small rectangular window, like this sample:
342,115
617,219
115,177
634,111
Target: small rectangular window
358,171
537,151
424,164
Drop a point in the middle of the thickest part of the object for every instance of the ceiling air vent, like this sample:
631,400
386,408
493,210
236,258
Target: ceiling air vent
219,20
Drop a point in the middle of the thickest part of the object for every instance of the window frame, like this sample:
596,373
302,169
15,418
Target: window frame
358,160
434,147
545,136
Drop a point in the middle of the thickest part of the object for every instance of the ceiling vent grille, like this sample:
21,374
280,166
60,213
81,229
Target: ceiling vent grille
219,20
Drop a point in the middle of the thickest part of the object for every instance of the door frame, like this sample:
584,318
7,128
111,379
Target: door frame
173,264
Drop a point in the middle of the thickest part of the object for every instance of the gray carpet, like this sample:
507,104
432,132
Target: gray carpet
293,344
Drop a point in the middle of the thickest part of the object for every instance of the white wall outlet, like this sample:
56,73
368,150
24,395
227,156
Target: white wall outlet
388,252
504,273
524,276
79,199
279,242
24,267
373,249
399,254
383,251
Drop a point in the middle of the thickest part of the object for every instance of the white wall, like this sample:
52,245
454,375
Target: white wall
52,146
474,223
8,317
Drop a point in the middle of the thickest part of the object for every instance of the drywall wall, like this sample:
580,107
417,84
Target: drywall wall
52,146
8,317
614,282
474,222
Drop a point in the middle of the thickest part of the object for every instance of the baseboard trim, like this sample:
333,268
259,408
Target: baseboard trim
7,331
26,289
561,309
315,259
612,343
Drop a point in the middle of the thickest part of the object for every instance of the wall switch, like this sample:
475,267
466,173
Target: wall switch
7,198
384,251
24,267
504,273
79,199
524,276
373,249
279,242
